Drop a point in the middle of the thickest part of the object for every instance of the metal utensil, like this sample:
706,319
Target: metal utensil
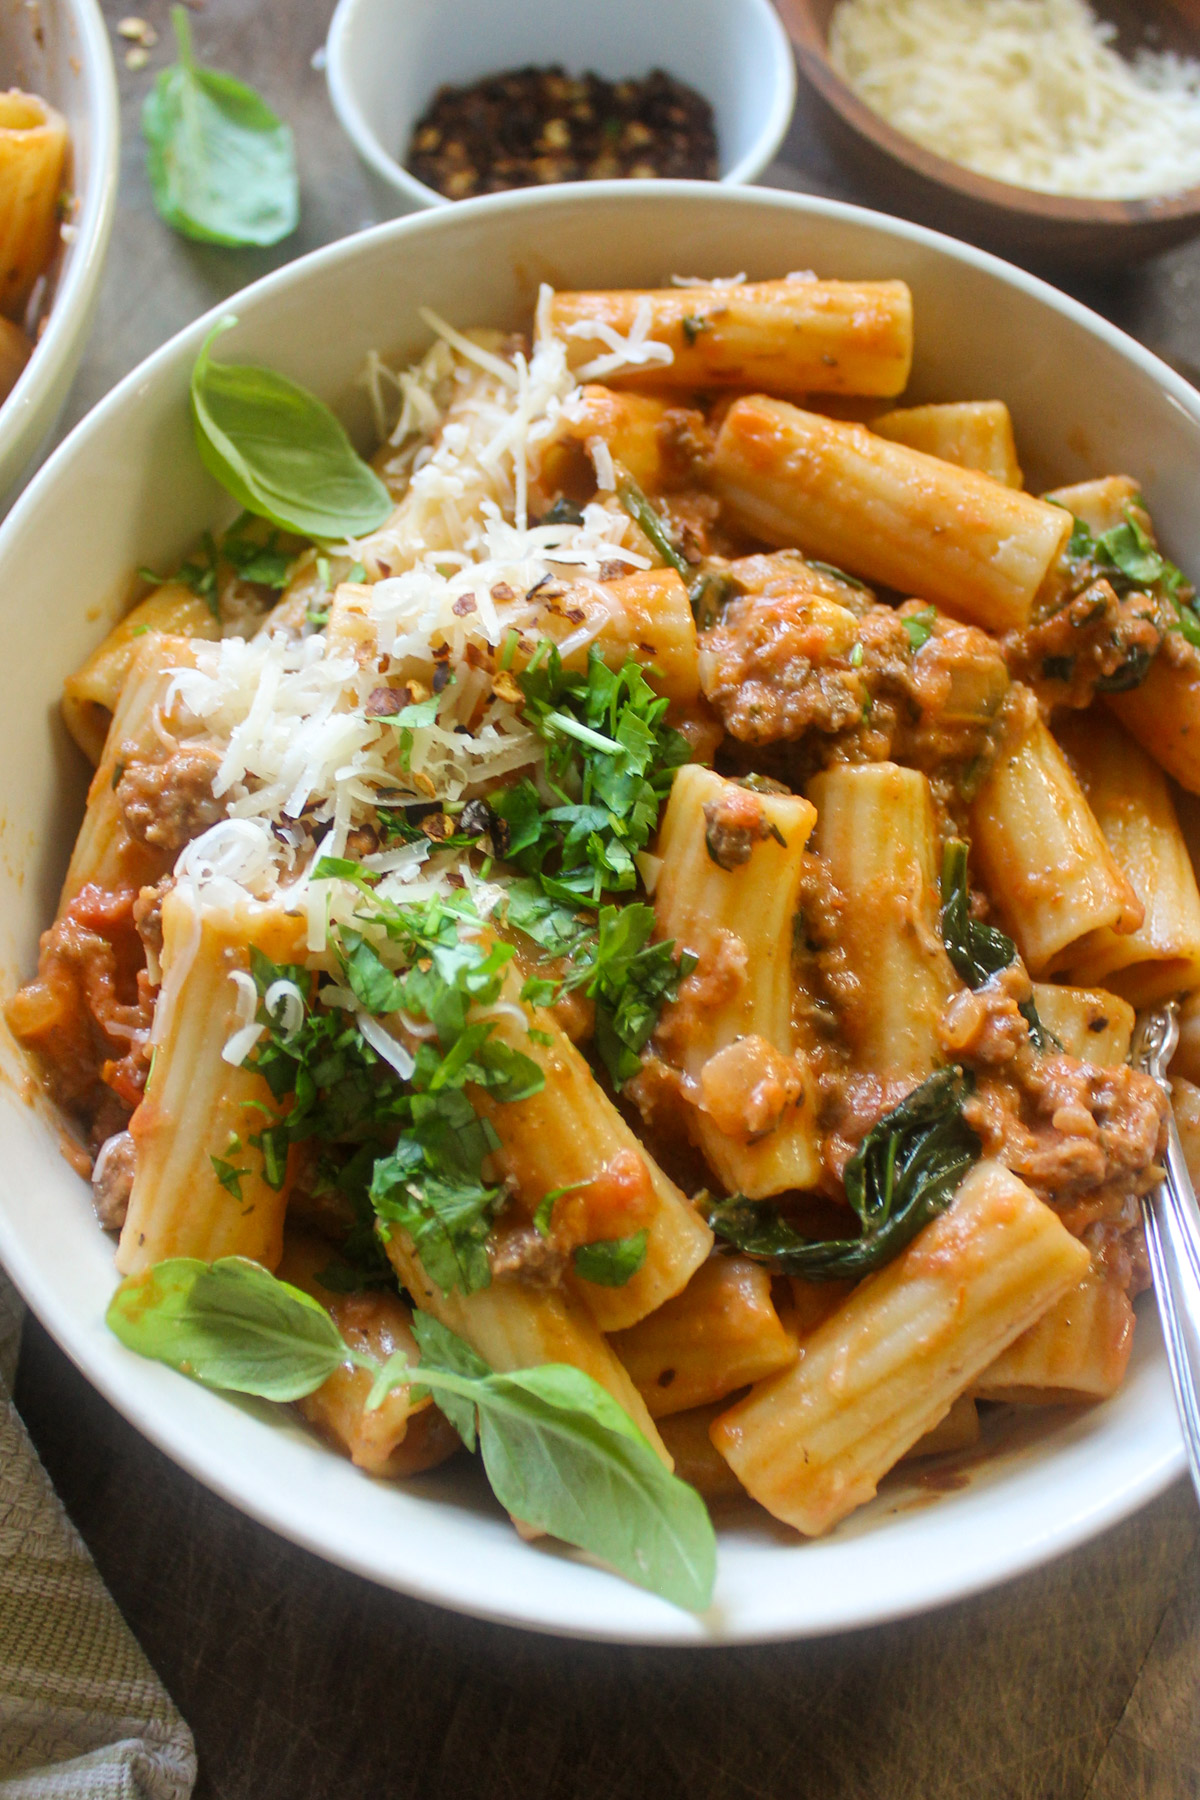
1172,1221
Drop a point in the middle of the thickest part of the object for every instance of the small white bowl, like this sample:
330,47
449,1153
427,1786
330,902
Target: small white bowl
60,50
385,60
128,487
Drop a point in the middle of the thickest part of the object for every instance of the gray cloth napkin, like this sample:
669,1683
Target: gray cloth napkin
83,1716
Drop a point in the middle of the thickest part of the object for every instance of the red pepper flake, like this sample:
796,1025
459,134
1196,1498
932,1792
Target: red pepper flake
525,127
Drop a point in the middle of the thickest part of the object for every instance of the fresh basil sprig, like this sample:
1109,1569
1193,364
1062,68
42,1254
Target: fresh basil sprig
221,164
230,1325
979,951
560,1454
904,1173
280,452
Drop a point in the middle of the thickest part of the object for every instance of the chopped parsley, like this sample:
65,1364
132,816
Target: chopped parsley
197,572
255,559
628,978
413,1143
918,627
229,1177
610,761
1127,558
250,558
611,1262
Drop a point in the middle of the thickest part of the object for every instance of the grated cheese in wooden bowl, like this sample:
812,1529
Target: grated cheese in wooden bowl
1026,91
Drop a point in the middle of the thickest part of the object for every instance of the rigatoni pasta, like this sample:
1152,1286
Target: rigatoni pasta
974,434
813,1443
34,193
796,336
927,527
578,924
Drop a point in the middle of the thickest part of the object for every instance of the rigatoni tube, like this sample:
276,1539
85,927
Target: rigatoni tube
877,836
728,892
402,1436
796,337
105,852
1078,1350
514,1325
647,615
200,1187
1090,1023
90,695
720,1334
885,512
973,434
1130,797
570,1135
1163,714
1042,856
813,1443
33,154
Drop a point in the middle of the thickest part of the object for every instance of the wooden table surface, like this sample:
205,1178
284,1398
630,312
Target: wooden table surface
303,1683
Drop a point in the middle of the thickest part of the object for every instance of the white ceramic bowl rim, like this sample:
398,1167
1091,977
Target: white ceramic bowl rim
453,1579
84,263
344,98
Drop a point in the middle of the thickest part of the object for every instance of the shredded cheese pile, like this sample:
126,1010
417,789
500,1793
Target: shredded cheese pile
1026,91
457,566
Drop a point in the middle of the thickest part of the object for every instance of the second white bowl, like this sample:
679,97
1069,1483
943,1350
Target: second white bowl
387,58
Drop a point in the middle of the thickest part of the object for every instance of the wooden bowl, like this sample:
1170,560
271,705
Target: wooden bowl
1046,230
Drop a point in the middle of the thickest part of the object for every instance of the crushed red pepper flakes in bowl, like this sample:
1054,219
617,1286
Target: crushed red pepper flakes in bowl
526,127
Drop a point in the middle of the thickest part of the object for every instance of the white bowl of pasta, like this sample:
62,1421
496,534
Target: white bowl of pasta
59,146
376,910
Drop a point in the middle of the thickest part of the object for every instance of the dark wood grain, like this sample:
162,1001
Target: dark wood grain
301,1682
304,1683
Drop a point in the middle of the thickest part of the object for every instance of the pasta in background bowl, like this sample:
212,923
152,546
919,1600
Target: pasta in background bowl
57,57
1084,401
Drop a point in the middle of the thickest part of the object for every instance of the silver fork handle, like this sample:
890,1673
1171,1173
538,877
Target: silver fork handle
1172,1221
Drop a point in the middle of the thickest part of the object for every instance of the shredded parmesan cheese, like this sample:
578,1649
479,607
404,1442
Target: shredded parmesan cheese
1027,91
308,716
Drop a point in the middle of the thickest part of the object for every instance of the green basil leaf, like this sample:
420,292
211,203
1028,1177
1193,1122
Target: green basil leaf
563,1456
229,1325
558,1450
443,1351
1132,550
611,1262
222,166
279,450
